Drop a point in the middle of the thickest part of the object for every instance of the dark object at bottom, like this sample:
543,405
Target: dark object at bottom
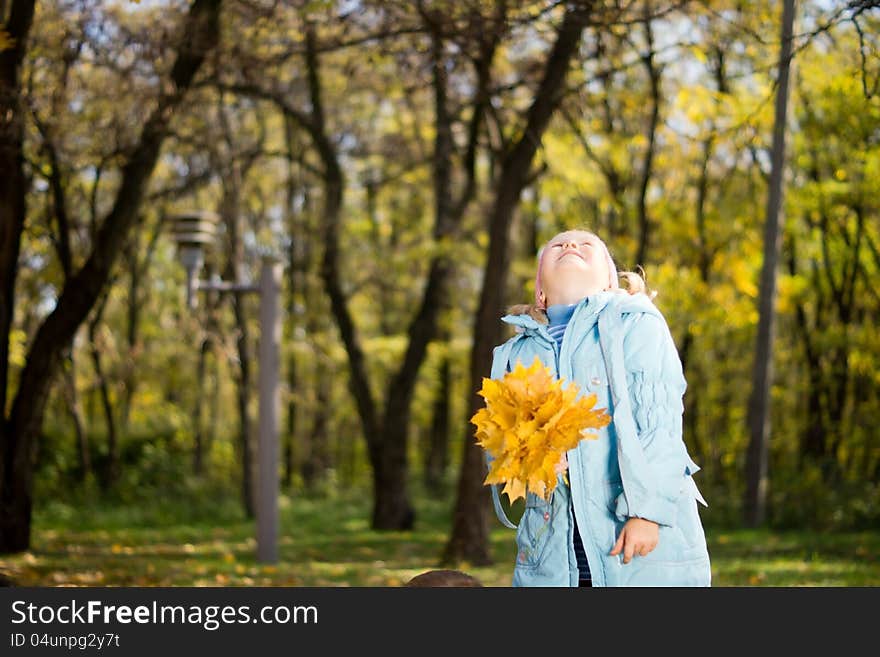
585,582
444,578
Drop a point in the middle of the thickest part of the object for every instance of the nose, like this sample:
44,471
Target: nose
570,244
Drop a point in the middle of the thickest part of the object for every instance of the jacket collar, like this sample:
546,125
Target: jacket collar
598,301
616,302
635,303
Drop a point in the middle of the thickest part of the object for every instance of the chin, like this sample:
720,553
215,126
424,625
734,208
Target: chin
571,259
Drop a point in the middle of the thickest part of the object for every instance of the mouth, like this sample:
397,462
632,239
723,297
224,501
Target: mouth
570,252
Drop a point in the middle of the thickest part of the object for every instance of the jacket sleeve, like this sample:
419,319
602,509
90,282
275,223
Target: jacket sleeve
656,385
500,359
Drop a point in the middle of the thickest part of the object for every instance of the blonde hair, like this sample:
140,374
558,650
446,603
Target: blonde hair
636,283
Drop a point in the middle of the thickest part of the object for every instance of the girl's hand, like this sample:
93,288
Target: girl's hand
638,537
562,466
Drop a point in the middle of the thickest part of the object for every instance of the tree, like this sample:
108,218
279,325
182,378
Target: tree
14,521
20,426
385,422
759,402
469,538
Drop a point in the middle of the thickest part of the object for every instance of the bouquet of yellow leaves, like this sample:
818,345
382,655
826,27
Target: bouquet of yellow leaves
530,421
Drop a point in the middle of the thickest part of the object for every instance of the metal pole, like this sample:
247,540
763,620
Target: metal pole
267,446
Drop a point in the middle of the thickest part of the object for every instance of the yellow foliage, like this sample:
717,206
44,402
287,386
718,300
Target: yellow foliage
743,278
6,41
17,347
528,424
790,289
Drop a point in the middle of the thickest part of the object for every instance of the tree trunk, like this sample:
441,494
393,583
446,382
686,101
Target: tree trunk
814,438
201,393
82,290
469,537
236,169
71,396
15,469
840,362
838,394
334,185
245,430
13,183
648,159
437,449
214,412
386,284
137,298
110,472
133,316
691,367
315,449
692,400
759,400
235,271
296,289
290,452
814,435
392,508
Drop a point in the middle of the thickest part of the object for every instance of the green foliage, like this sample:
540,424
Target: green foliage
808,501
155,460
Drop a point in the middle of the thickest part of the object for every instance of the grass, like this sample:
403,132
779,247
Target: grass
328,542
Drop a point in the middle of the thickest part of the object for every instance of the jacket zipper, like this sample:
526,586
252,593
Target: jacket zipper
558,351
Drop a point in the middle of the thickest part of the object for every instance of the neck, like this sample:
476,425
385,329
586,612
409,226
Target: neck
568,297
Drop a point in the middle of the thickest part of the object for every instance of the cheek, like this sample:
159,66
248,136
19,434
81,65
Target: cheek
597,259
546,272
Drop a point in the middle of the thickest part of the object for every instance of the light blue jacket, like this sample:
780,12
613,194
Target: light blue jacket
619,346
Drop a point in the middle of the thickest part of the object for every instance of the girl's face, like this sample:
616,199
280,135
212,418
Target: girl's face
574,264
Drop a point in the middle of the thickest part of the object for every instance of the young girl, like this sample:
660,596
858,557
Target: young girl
628,515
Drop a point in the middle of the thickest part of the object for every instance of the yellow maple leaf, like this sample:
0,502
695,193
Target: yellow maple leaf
529,422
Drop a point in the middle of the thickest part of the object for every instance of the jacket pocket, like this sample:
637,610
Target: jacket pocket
533,532
688,521
682,542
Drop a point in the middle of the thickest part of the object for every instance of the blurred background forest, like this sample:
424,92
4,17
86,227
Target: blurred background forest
406,160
